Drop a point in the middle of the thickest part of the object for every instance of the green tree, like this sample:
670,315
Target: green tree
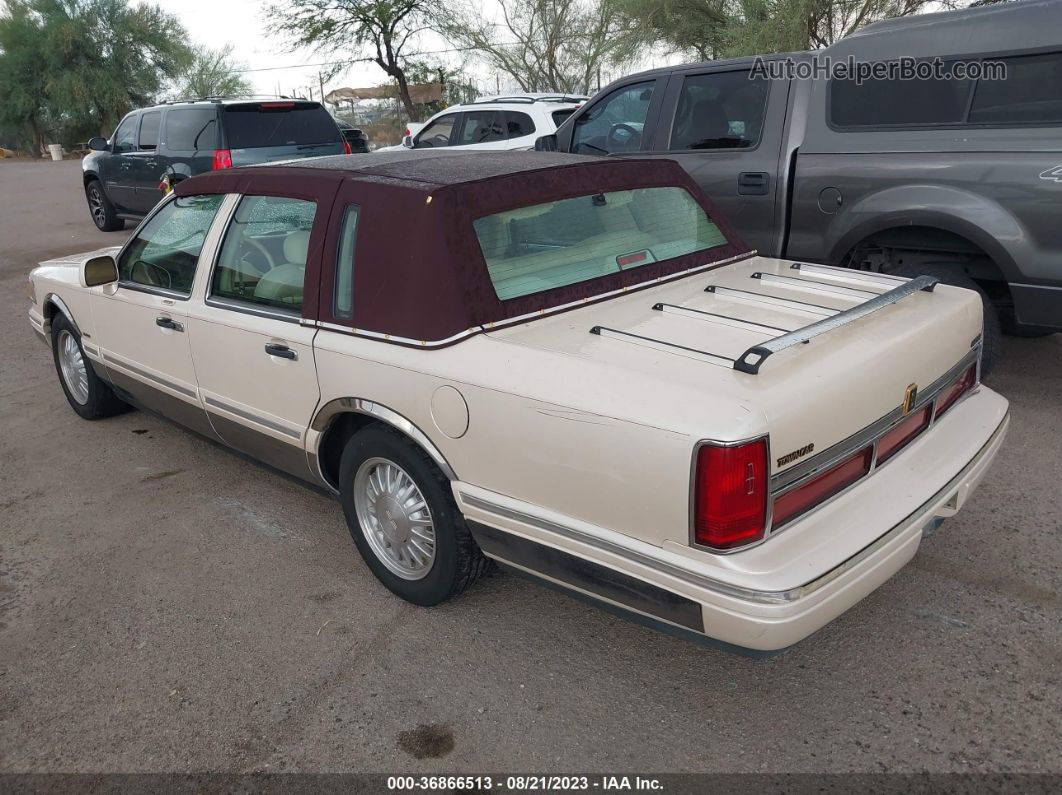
384,27
545,45
23,74
212,74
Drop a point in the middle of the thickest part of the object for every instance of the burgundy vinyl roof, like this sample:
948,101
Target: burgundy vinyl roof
419,273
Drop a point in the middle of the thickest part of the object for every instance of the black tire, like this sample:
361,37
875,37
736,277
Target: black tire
100,401
458,560
992,338
100,208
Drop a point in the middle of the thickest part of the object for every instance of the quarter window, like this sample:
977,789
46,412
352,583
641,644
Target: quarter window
263,256
344,289
1031,92
191,129
437,133
165,250
722,110
517,124
616,123
895,102
149,129
125,136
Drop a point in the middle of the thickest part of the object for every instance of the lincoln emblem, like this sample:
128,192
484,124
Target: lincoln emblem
909,398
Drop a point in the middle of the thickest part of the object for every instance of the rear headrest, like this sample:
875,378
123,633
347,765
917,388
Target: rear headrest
296,244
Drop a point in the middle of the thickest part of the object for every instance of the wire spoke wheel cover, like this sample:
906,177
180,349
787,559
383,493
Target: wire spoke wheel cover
95,199
394,518
72,366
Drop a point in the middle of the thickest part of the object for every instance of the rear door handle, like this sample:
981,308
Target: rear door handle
170,323
754,183
281,351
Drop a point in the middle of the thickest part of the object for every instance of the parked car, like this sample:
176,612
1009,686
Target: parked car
575,368
506,122
355,138
123,175
953,178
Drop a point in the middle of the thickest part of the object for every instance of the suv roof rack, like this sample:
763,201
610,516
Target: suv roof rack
223,97
531,100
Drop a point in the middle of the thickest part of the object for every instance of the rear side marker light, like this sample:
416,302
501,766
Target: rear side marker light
820,488
222,159
895,440
730,495
963,384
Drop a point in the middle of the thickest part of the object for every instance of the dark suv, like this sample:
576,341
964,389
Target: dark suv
123,176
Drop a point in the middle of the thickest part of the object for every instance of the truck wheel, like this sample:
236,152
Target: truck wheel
86,392
956,276
103,212
404,520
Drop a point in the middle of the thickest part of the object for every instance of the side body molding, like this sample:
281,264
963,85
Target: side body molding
333,408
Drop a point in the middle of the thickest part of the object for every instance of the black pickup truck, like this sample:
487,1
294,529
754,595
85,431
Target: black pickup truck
959,178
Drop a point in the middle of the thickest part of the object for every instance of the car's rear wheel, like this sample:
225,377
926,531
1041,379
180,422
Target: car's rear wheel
103,213
86,392
404,520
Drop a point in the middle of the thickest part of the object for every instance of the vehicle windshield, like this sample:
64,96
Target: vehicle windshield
559,243
278,124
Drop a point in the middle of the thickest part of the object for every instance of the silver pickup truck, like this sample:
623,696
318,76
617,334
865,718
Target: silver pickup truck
954,177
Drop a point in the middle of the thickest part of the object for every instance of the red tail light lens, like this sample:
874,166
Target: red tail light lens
963,384
821,487
222,159
730,495
896,439
346,147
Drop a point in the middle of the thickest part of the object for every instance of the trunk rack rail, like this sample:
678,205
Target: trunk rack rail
837,283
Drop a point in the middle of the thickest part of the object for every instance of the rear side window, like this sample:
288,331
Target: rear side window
517,124
551,245
191,129
149,129
263,256
343,302
480,127
560,116
1031,92
722,110
164,252
896,102
258,125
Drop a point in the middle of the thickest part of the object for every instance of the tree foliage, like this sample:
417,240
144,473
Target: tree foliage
545,45
212,74
383,27
82,64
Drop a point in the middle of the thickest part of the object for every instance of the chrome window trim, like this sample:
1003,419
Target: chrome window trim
250,308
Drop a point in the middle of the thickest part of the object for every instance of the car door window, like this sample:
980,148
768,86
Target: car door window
125,135
436,133
721,110
191,129
149,130
517,124
263,256
616,123
164,252
480,127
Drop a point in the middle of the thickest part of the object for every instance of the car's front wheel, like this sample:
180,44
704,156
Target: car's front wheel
404,520
103,213
86,392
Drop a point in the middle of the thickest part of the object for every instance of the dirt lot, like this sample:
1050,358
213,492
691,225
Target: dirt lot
167,606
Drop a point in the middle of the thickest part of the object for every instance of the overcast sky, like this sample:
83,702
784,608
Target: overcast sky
239,26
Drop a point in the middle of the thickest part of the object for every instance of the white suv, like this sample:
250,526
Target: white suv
512,121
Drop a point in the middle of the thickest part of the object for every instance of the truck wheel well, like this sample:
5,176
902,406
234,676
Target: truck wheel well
908,246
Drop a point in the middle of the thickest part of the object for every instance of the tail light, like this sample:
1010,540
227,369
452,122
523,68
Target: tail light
820,488
222,159
346,147
896,439
963,384
730,495
406,133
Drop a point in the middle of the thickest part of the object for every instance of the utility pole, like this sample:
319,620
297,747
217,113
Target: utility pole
320,82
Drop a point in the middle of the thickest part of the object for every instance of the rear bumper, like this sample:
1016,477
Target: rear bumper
718,600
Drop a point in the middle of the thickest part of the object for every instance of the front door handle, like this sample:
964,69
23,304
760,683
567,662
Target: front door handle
754,183
281,351
170,323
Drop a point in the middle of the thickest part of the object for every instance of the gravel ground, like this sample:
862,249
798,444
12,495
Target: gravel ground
168,606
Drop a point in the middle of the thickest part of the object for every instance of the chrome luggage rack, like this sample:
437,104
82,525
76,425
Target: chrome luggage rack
821,279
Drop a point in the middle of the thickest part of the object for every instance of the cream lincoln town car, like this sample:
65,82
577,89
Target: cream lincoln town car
569,365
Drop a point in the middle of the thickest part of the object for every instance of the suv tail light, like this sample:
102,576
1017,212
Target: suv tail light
222,159
963,384
730,495
346,147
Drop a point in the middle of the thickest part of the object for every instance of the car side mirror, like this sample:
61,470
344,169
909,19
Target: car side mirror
407,141
99,270
546,143
97,144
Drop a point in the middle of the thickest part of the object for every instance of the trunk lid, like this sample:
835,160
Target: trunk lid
687,334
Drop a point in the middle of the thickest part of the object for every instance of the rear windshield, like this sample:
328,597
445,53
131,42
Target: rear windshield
264,124
551,245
